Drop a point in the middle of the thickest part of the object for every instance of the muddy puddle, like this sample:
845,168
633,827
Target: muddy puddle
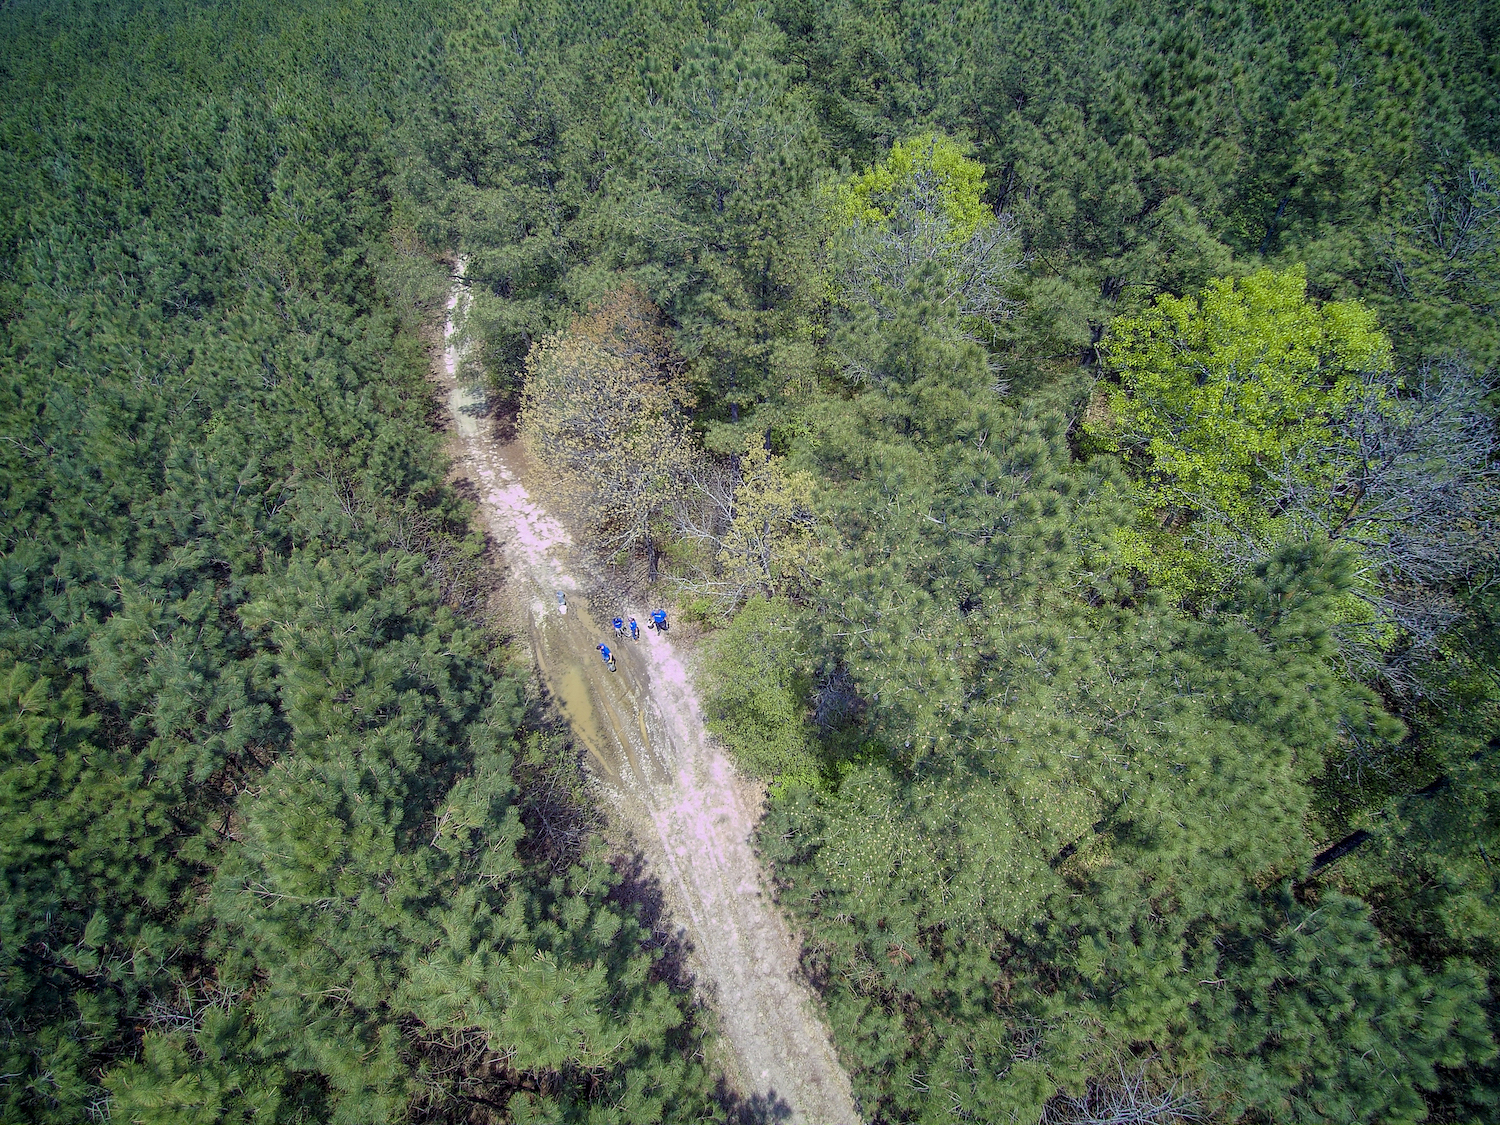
606,710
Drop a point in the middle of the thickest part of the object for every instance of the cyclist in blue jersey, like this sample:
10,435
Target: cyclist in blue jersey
659,620
607,656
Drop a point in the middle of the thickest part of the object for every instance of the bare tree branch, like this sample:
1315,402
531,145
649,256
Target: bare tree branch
752,524
1406,478
1130,1096
975,271
1463,217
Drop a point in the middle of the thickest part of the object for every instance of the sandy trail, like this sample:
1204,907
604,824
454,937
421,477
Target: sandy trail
688,809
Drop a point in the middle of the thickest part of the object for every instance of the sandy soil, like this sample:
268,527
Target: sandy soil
676,793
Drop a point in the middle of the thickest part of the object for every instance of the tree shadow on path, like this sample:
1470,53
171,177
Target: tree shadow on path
757,1109
641,891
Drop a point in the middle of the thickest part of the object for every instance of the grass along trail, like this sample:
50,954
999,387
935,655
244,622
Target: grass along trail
685,804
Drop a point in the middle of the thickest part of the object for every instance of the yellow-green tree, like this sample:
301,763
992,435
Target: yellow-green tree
1217,389
748,526
770,544
1256,416
1218,393
918,218
932,166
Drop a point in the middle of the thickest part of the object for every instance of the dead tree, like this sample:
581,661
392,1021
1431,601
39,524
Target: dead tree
1406,479
882,259
1130,1096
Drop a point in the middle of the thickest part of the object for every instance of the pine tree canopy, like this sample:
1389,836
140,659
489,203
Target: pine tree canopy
1064,437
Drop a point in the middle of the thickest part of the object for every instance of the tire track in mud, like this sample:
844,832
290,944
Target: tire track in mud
686,806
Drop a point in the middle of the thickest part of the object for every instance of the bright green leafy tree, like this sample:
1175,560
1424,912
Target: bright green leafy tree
956,186
1217,394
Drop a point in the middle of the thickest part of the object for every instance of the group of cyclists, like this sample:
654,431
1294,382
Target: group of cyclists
658,622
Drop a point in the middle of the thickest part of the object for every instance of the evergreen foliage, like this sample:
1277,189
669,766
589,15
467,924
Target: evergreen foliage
260,823
832,295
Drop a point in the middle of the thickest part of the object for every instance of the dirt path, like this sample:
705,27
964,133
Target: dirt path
688,809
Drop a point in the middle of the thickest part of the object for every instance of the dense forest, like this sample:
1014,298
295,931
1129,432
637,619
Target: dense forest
1071,424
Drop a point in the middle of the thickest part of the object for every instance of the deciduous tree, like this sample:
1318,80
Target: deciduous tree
920,213
604,407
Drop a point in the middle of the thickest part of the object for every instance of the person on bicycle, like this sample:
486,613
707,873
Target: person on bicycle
659,620
607,656
635,630
619,624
